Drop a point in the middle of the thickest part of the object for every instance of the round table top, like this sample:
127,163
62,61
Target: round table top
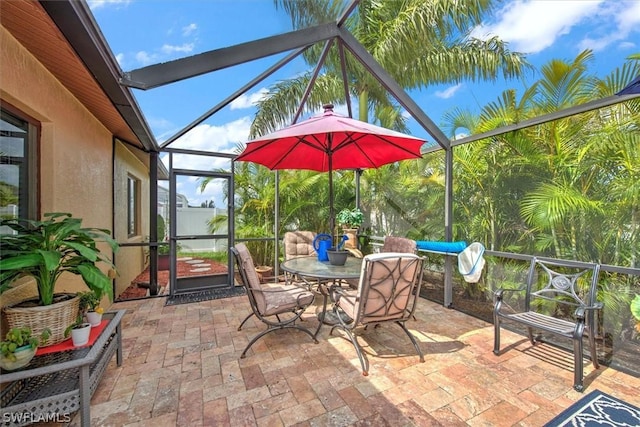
311,267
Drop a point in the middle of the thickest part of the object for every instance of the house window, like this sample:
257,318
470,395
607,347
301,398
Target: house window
18,167
133,206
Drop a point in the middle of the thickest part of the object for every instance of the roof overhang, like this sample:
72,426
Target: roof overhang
65,39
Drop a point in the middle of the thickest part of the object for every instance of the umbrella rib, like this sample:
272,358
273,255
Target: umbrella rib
300,140
354,137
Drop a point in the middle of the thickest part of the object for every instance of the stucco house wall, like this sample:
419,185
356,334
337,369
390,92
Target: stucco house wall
76,151
130,261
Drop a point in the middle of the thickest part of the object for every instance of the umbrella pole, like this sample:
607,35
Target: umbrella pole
332,218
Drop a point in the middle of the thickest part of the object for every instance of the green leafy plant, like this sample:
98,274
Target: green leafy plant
350,218
79,323
89,301
46,249
20,337
635,310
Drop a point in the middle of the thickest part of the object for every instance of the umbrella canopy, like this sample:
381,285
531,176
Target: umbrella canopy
330,142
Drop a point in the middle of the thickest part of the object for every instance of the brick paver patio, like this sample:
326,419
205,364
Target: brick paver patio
182,367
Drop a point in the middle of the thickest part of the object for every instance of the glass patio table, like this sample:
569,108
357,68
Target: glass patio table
315,275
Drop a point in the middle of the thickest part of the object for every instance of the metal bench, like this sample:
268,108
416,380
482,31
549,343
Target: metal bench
559,298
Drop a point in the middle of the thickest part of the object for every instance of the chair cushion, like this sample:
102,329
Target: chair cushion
298,244
284,298
251,274
399,244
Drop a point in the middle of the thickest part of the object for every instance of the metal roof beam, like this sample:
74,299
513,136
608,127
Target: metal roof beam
359,51
556,115
169,72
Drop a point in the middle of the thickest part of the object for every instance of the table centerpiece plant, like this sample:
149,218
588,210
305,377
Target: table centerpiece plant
45,249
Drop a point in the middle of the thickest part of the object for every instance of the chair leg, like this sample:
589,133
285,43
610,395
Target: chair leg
413,340
265,332
592,349
245,320
364,362
530,333
577,365
496,335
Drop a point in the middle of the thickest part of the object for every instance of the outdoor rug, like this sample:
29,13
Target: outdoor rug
598,409
207,295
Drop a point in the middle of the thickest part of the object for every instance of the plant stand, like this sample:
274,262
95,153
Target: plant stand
63,382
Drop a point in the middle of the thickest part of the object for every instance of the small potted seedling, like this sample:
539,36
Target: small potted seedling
90,307
79,331
19,347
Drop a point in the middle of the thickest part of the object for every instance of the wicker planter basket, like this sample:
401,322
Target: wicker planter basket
57,317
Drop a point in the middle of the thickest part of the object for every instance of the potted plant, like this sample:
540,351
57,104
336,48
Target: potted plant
350,220
45,250
19,347
163,257
79,331
90,307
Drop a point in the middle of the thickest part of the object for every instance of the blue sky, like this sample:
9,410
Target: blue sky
145,32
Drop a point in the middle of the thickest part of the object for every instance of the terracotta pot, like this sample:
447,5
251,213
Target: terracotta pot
163,262
352,242
264,271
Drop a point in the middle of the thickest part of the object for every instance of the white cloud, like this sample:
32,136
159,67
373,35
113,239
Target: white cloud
222,139
628,17
145,58
120,59
97,4
189,29
623,18
170,49
448,92
205,137
247,100
532,26
627,45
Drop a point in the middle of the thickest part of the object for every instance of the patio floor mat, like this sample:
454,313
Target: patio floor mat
598,409
207,295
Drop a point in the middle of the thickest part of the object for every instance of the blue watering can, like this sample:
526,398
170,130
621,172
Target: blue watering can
322,243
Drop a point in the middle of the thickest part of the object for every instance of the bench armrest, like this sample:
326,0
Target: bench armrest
500,291
580,311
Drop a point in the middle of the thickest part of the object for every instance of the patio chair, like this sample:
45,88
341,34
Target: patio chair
399,244
388,282
298,244
277,306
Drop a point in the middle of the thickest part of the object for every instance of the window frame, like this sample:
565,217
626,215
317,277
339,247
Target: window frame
133,206
28,204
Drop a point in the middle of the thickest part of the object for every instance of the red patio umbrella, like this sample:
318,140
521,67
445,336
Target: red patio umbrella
330,142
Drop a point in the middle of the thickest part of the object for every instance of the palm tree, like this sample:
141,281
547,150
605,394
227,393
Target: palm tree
417,42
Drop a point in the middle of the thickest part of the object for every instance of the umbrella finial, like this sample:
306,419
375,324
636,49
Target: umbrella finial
328,108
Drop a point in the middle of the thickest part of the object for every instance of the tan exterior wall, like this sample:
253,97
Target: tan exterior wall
75,149
130,261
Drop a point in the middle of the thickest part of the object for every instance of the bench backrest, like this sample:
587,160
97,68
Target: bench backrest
553,285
